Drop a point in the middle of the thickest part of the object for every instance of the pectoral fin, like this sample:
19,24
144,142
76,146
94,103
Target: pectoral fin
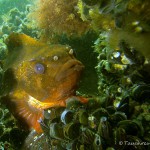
26,114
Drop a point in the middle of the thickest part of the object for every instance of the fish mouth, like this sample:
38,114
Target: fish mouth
70,67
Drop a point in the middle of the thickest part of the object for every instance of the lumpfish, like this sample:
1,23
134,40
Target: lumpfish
45,75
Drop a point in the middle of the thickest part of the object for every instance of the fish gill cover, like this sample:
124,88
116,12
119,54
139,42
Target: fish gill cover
111,39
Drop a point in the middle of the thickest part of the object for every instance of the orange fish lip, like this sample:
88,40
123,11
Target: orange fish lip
68,68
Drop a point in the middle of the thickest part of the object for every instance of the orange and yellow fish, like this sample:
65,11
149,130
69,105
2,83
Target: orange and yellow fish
46,76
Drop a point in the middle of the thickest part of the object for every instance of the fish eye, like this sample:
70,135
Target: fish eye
39,68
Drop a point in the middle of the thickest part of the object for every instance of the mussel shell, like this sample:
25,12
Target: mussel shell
111,109
75,145
104,129
117,116
86,147
124,105
57,145
56,131
100,112
131,127
97,144
102,56
87,136
141,93
83,117
119,134
114,57
67,116
53,114
71,130
73,103
92,104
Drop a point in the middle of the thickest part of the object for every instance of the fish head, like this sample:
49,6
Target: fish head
52,75
46,71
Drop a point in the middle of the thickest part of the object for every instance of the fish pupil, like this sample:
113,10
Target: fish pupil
39,68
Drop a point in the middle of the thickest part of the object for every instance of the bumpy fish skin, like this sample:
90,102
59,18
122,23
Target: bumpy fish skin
46,75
